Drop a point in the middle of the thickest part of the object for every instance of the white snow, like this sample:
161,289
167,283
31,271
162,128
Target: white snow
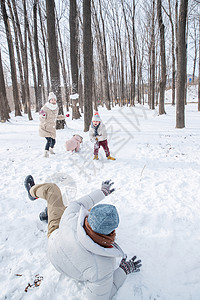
74,96
157,180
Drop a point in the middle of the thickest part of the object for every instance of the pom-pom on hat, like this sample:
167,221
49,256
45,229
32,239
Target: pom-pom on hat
96,117
103,218
52,96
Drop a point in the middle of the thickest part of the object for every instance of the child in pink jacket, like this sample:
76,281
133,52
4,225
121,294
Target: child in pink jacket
74,143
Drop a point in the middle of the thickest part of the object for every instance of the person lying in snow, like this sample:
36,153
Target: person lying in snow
74,143
81,244
98,136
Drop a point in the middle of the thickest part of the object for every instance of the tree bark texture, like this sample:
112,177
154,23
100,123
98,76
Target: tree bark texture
199,72
53,57
38,61
19,61
88,56
4,107
73,22
163,58
12,59
181,70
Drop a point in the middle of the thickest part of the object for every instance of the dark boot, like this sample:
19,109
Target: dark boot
28,183
44,215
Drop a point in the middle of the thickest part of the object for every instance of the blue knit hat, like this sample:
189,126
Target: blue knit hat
103,218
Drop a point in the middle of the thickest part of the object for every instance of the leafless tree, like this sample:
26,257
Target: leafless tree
45,50
169,14
63,68
18,51
152,59
12,59
38,61
73,22
88,54
181,70
53,57
199,71
4,107
163,58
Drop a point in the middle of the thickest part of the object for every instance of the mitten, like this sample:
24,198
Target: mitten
105,187
42,113
93,140
130,266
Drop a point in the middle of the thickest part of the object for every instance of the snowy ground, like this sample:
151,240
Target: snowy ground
157,180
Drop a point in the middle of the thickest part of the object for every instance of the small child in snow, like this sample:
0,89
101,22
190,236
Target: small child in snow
74,143
48,117
98,135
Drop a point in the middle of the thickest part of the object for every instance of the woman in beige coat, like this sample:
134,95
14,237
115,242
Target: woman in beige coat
48,117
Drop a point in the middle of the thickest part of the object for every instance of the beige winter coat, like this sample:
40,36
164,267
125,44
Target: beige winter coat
48,117
102,134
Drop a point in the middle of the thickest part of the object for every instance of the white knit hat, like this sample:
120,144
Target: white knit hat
96,117
52,96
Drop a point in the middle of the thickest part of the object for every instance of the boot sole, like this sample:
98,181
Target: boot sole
28,183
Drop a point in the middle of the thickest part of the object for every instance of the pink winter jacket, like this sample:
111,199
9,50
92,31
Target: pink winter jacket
73,143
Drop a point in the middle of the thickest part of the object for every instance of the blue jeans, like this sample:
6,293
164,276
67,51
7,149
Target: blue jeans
50,143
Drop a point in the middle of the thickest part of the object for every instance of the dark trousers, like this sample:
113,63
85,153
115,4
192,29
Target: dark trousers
50,143
104,144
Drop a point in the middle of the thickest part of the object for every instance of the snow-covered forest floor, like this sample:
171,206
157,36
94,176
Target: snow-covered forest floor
157,180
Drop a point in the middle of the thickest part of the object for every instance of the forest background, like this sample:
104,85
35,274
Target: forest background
103,52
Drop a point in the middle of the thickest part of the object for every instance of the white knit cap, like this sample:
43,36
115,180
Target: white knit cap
52,96
96,117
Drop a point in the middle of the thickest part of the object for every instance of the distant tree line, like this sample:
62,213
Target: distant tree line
97,52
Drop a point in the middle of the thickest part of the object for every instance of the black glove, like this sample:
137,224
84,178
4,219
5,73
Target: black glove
130,266
105,187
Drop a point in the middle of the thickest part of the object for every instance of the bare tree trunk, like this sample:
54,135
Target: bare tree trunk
53,58
176,31
45,52
101,44
38,61
105,61
23,54
163,59
152,65
12,59
88,53
134,53
173,54
122,66
27,32
4,112
130,54
80,92
181,71
199,71
64,72
186,41
195,51
73,22
22,83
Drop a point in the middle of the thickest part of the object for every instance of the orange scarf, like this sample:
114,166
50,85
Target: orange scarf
103,240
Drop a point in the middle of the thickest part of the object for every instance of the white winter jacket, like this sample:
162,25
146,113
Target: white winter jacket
102,134
75,254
